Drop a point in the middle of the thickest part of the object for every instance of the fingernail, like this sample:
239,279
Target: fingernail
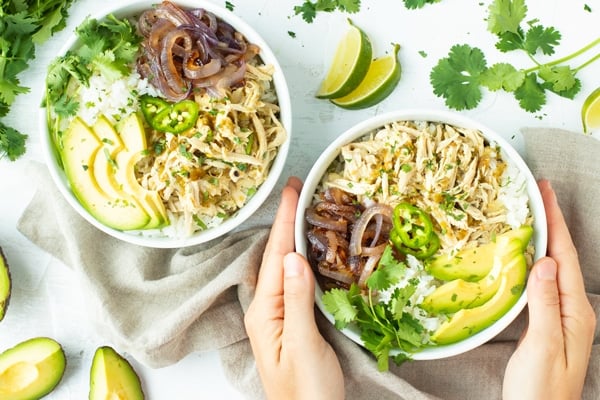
546,270
291,267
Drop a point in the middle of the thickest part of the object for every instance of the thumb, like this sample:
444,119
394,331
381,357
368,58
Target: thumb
298,297
544,300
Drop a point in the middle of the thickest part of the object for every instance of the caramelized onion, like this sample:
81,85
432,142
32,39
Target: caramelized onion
185,49
359,228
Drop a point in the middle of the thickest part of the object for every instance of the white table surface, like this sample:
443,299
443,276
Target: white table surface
46,300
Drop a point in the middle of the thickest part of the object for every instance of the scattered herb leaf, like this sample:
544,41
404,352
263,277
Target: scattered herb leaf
460,77
23,24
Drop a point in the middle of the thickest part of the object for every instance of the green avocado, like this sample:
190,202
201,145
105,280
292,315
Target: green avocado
31,369
469,321
457,294
5,285
81,147
113,377
473,264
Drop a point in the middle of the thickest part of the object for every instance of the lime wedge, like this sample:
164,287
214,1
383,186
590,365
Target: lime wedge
350,64
590,111
381,80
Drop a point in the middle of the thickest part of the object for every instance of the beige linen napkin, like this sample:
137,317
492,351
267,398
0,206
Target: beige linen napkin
160,305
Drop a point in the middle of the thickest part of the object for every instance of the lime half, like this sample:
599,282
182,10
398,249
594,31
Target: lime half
590,111
350,64
381,80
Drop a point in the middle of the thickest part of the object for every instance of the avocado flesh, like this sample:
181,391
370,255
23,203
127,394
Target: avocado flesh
470,321
110,171
5,285
31,369
112,377
475,263
458,294
89,156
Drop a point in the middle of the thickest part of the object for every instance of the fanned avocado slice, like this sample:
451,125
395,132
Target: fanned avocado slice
5,285
113,377
31,369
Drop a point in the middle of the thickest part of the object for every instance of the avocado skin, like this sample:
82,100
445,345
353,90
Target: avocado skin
111,374
5,285
50,369
471,265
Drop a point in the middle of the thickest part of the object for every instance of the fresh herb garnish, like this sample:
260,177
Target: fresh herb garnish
308,10
460,77
108,47
23,24
383,326
413,4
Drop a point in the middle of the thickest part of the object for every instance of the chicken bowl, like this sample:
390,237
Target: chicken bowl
166,124
420,227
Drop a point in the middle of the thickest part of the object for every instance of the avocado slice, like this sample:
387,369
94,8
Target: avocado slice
113,377
473,264
458,294
81,147
5,285
31,369
469,321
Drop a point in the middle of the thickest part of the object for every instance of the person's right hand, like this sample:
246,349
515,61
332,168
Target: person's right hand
551,360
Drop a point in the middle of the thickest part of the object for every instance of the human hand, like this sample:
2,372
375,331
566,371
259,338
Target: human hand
293,359
552,358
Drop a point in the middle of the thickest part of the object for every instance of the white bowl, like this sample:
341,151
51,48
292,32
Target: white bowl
535,203
285,117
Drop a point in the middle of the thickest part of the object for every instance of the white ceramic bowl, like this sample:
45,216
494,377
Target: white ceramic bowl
535,203
162,240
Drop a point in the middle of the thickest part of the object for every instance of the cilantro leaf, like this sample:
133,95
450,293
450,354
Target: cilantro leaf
502,76
531,94
388,272
541,38
456,77
506,15
338,303
413,4
12,142
509,41
350,6
561,78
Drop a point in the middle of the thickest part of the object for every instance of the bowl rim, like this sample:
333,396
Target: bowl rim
265,189
431,115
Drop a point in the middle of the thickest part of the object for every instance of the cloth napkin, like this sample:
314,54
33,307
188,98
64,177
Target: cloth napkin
160,305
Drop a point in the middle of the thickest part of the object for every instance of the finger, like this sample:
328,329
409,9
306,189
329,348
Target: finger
298,301
281,242
544,300
560,245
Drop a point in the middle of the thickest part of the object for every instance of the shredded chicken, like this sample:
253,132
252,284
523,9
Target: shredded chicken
452,173
206,174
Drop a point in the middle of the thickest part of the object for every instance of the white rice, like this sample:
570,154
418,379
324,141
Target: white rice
115,98
513,194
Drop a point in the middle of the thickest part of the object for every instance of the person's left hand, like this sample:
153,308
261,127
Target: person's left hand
293,359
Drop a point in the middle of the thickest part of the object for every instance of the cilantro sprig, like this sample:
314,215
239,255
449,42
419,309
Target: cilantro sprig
108,47
23,24
461,76
383,326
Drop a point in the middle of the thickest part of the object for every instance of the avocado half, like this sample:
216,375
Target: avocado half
5,285
31,369
113,377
